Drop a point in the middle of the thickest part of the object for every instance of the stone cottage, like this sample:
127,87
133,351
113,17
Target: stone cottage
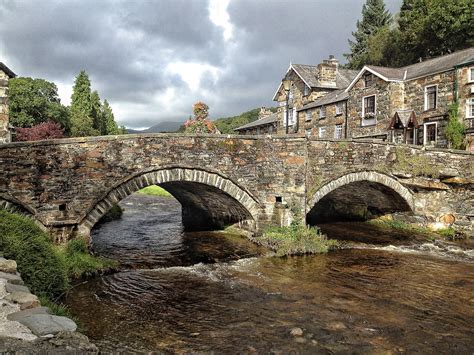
266,123
410,104
308,83
5,129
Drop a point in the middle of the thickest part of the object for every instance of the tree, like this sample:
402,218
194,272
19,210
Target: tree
110,126
82,122
98,122
41,131
374,17
455,129
33,101
200,123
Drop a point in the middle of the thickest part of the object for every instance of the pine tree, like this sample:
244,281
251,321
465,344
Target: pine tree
109,121
98,121
374,17
82,123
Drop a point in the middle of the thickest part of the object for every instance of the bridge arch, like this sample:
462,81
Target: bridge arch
193,188
379,193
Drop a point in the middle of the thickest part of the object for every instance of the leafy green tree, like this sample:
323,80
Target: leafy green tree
455,129
374,17
33,101
82,121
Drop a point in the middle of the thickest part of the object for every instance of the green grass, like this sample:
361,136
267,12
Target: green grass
154,190
297,239
46,269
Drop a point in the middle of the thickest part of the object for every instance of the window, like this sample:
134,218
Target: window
308,116
430,133
470,75
290,95
270,129
306,90
368,80
430,97
369,106
338,131
322,132
339,108
308,132
470,108
368,111
322,112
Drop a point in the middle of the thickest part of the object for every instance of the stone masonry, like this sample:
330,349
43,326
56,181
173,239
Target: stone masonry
5,75
252,181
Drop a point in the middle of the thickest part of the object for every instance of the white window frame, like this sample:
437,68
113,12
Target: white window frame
336,131
373,121
426,97
469,108
470,75
322,132
424,131
308,116
339,108
322,112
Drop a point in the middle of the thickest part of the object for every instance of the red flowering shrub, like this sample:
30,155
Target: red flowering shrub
200,123
44,130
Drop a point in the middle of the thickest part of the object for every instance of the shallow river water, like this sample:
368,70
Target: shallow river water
214,292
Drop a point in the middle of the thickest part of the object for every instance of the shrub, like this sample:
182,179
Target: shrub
296,239
42,269
455,129
154,190
44,130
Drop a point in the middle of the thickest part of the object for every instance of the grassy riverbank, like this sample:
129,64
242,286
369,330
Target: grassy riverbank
154,190
296,239
47,269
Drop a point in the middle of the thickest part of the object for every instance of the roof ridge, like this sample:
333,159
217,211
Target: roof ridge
438,57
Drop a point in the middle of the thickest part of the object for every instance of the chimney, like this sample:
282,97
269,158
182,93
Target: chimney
327,72
264,112
5,75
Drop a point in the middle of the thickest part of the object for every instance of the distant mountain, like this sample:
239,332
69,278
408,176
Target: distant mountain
158,128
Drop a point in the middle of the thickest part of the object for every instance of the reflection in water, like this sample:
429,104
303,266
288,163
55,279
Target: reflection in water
359,300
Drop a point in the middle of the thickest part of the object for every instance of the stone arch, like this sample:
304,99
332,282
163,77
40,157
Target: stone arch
167,177
384,184
13,205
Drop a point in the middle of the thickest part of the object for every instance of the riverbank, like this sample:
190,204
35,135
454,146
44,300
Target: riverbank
26,326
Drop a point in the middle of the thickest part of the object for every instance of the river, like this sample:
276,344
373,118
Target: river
215,292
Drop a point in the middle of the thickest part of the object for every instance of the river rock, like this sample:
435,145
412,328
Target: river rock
296,332
27,312
44,324
11,278
8,266
24,299
16,288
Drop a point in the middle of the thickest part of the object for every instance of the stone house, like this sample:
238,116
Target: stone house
308,83
5,129
410,104
266,123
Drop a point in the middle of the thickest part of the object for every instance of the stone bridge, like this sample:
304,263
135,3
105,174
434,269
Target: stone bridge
252,181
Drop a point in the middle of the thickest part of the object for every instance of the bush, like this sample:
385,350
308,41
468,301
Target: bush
42,269
455,129
297,239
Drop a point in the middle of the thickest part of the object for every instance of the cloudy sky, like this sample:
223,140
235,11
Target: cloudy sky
153,59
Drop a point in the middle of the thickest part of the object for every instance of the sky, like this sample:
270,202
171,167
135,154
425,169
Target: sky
153,59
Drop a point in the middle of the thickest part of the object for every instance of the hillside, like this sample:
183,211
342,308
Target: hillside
228,124
167,126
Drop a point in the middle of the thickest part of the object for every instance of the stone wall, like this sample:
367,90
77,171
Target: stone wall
439,182
329,122
62,181
5,135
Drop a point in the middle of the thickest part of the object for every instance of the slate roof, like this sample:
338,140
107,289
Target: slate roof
7,70
430,66
260,122
332,97
405,117
309,74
